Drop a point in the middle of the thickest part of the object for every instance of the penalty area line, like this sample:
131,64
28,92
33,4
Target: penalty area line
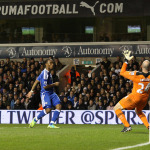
128,147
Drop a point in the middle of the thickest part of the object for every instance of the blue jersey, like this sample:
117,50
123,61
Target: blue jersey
45,79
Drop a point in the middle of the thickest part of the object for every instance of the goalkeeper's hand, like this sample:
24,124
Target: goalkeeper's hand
127,56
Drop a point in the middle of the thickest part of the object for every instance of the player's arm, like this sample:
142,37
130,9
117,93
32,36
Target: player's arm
33,88
51,85
123,72
127,74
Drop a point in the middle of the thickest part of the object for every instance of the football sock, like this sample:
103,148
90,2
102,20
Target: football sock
42,114
143,119
122,117
55,116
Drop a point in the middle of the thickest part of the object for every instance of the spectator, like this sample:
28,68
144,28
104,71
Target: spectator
111,106
4,102
71,97
135,63
66,92
77,80
26,103
123,92
61,96
75,102
80,106
108,97
114,100
86,102
2,64
91,106
10,96
5,93
118,60
18,105
12,102
70,107
65,104
72,75
130,65
117,70
1,107
82,84
55,79
41,61
69,87
105,104
79,90
106,63
93,76
100,106
8,107
112,91
84,91
127,87
16,91
24,61
1,72
10,88
82,76
74,85
118,97
23,69
1,97
58,65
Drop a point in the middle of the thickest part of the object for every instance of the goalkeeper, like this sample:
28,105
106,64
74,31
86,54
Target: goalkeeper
138,98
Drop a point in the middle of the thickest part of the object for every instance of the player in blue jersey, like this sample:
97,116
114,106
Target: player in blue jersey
48,96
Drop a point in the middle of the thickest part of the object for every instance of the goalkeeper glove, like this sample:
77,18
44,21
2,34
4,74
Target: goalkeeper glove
127,56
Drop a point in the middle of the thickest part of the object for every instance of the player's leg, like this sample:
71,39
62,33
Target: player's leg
125,103
46,103
56,114
118,110
142,116
44,112
56,103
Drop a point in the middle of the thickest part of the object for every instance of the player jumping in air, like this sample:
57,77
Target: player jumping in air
138,98
48,97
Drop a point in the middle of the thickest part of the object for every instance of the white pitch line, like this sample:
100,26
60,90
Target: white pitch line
12,127
19,127
128,147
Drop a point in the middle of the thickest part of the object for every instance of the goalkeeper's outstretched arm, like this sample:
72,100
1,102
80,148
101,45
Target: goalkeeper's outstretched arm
123,72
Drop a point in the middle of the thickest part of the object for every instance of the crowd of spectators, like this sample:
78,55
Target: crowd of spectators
101,91
17,78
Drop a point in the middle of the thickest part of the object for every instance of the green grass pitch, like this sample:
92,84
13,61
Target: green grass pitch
71,137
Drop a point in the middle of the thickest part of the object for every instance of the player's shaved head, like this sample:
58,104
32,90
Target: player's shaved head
146,65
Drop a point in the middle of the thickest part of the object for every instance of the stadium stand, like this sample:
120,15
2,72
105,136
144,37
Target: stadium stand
101,91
